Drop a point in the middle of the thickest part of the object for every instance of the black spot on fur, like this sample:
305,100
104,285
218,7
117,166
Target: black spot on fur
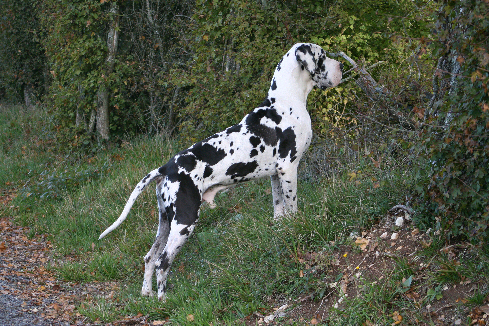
207,153
255,141
253,153
185,231
235,128
170,212
231,151
237,170
274,85
305,49
165,262
266,103
187,201
262,148
279,63
269,135
287,144
208,171
188,162
146,177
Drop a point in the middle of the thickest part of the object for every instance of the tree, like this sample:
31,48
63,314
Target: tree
103,92
22,58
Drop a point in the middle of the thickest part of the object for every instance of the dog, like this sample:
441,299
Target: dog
269,141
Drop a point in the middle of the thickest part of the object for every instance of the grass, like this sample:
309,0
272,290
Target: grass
238,262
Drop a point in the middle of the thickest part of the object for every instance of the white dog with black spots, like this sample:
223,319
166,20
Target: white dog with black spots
268,142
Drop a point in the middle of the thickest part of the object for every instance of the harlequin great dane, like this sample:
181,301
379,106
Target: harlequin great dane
267,142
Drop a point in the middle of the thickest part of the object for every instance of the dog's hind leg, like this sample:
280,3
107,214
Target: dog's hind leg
179,234
159,244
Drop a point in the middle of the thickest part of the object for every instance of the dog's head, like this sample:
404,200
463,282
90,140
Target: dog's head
325,72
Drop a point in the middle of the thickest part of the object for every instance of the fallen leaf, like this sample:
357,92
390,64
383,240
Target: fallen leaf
190,318
362,243
397,318
485,107
343,286
485,309
314,321
159,322
2,246
301,273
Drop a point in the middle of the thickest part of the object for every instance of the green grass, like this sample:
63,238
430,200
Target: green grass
238,261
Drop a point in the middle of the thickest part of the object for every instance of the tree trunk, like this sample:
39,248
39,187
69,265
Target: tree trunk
103,93
29,97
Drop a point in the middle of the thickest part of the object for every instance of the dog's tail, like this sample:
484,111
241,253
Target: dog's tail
135,193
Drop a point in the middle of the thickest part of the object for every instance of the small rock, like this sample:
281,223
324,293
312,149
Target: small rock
384,235
400,221
394,236
458,322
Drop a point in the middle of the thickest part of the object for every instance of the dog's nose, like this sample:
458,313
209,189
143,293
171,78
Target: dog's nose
341,66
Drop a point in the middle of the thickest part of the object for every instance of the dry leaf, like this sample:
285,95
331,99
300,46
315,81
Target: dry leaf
485,309
159,322
314,321
190,318
301,273
2,246
485,107
362,243
397,318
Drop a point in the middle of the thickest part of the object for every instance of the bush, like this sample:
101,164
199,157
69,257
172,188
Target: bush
456,137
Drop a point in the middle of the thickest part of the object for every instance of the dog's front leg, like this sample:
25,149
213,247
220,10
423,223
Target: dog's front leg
288,184
278,200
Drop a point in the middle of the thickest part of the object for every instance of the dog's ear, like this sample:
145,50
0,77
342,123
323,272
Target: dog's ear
305,55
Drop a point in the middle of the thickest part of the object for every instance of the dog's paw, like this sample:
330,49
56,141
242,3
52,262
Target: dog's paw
162,297
147,293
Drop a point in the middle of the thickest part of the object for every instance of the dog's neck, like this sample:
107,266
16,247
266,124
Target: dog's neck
290,81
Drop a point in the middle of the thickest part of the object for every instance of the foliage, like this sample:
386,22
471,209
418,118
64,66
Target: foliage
456,138
238,43
22,59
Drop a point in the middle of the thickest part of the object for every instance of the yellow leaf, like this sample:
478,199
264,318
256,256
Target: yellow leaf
362,243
